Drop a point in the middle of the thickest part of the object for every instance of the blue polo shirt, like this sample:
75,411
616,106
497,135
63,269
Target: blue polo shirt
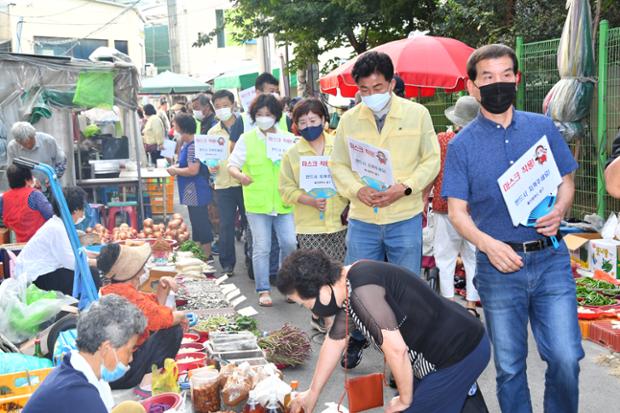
482,152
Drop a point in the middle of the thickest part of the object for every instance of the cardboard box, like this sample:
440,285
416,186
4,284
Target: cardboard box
604,256
155,273
579,247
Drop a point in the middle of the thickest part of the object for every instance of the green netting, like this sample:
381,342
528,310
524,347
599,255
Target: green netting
613,98
436,105
539,71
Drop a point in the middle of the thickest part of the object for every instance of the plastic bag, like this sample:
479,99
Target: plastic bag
237,388
16,362
271,384
609,229
25,309
166,380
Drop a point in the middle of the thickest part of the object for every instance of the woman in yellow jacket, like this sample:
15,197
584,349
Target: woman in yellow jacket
318,221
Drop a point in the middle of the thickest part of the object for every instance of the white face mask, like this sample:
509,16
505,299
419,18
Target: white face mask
265,122
80,220
223,114
377,101
198,115
275,95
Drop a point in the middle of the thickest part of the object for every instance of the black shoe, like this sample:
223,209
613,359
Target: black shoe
228,271
318,324
354,353
210,260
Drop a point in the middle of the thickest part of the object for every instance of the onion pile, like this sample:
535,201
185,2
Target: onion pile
175,230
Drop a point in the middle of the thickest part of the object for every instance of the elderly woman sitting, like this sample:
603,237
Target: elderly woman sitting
123,267
107,333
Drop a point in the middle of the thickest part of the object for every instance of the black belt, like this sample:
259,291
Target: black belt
531,246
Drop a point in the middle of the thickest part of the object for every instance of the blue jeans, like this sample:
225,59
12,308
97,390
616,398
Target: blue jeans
543,291
228,200
261,226
401,242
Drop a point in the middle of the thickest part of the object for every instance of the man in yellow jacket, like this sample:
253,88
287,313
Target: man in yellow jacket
389,222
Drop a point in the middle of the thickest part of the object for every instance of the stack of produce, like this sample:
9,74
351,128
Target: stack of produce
175,230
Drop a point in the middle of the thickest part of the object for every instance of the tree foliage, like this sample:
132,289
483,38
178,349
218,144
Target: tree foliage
313,27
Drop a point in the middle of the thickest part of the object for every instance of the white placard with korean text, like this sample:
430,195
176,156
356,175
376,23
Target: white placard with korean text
169,148
246,97
278,144
534,176
314,173
372,162
210,147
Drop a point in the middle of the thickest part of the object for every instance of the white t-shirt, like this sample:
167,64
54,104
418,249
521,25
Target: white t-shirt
48,250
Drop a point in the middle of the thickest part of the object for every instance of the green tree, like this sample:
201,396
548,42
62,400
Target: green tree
313,27
478,22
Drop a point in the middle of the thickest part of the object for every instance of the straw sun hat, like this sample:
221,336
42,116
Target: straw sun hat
130,260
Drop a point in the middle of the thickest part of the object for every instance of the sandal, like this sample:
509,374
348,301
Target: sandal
474,312
264,299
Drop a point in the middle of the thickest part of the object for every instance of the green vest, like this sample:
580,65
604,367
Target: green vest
262,195
198,126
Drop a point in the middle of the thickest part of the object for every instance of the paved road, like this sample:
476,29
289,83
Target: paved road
598,389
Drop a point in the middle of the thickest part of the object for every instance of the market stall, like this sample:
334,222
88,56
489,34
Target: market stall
49,92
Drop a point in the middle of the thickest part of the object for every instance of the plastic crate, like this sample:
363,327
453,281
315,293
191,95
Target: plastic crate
603,333
155,191
16,388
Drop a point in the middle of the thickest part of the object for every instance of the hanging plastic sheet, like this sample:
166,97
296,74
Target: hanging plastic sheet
569,101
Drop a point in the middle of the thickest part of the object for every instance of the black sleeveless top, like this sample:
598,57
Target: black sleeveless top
383,296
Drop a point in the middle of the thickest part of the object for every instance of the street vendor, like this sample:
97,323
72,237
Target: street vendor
23,208
123,267
47,258
38,146
435,349
107,333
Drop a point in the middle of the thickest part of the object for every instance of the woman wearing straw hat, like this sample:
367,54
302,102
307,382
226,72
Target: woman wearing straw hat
123,267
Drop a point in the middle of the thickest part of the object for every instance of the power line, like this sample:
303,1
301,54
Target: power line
125,10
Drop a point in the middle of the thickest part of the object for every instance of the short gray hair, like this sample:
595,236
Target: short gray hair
111,318
22,131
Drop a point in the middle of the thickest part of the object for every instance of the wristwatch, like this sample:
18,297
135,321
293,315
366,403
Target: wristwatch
407,190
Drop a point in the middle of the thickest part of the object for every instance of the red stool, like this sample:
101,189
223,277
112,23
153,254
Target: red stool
127,207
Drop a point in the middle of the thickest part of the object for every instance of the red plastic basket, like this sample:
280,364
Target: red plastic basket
602,332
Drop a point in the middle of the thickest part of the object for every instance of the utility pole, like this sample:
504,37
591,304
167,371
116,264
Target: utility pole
175,58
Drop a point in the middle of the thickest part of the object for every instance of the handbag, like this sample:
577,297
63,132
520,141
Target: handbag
364,392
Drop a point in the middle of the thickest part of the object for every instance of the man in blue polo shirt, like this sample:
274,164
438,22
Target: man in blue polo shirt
520,276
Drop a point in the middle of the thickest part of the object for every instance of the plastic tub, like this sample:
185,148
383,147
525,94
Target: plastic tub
172,400
198,360
190,338
196,347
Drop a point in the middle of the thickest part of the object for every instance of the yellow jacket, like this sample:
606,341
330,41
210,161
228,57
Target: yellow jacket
409,135
307,218
223,179
153,132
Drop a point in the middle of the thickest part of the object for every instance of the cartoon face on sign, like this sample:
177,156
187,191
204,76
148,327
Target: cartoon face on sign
541,154
221,141
381,157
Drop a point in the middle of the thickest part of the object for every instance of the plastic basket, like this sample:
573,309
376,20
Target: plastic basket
16,388
602,332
